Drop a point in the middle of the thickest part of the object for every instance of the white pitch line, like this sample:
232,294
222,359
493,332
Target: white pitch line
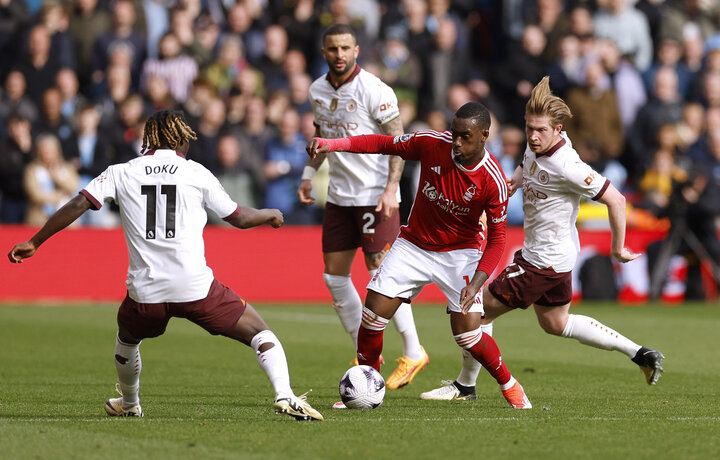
349,420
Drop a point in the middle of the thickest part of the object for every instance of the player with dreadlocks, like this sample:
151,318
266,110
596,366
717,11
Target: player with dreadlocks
162,197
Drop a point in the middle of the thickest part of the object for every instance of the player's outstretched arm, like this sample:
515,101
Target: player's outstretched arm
515,181
251,217
615,201
58,221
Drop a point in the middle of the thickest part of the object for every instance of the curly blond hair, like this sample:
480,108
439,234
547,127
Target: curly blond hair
166,128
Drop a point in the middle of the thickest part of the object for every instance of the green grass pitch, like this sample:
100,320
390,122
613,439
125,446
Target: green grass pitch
205,397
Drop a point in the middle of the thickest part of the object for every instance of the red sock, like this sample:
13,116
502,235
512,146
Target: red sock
370,344
487,353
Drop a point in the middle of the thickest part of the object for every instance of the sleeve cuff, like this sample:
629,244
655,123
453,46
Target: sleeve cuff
602,190
233,215
94,202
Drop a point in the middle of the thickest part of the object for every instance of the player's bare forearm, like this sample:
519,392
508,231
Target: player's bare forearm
615,202
317,160
394,127
251,217
515,181
63,217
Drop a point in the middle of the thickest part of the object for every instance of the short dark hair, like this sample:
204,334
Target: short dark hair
339,29
475,110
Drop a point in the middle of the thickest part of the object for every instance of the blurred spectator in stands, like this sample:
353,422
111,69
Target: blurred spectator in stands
270,64
566,70
39,66
209,128
235,174
154,29
581,21
52,121
201,92
419,38
664,107
49,180
67,82
15,154
294,63
710,89
122,34
14,18
669,53
399,67
181,24
241,22
255,131
595,124
554,24
177,70
691,126
443,66
87,23
125,130
303,27
157,95
510,156
247,85
516,76
681,14
56,20
14,100
656,185
299,91
625,80
223,71
620,21
117,89
95,154
278,102
285,159
208,34
693,48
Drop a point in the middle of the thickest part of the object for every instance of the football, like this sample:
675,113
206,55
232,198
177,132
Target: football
362,387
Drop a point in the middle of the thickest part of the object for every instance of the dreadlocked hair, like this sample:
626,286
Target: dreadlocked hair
166,129
544,103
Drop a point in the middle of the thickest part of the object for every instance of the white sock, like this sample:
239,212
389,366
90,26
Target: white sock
405,325
470,370
346,302
128,365
509,384
591,332
273,361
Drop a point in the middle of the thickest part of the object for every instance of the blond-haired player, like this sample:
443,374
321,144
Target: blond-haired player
553,179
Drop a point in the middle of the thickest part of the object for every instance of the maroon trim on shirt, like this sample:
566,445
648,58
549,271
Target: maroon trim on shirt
602,190
350,78
95,203
234,213
552,149
152,152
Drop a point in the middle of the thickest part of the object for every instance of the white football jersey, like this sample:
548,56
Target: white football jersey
162,198
552,186
358,106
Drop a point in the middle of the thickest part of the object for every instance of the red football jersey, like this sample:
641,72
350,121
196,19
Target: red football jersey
450,199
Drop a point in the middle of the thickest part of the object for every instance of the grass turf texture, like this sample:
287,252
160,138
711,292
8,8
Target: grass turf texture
205,397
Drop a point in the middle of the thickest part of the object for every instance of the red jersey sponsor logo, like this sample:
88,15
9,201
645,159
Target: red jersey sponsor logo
443,202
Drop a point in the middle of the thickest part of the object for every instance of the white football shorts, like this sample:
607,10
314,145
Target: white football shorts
407,268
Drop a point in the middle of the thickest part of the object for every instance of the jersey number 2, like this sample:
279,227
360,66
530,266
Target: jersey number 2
151,211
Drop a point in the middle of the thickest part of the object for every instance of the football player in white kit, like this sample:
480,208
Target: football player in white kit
552,179
363,193
162,197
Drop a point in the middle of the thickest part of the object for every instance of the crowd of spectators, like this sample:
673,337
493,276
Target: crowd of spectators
79,77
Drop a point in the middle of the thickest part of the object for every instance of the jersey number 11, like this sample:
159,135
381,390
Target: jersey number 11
151,212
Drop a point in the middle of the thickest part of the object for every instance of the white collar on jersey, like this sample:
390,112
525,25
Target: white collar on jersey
476,167
164,152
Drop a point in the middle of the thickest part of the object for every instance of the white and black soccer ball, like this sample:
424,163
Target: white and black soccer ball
362,387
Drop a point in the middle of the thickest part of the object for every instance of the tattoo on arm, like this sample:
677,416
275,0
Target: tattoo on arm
374,258
394,127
